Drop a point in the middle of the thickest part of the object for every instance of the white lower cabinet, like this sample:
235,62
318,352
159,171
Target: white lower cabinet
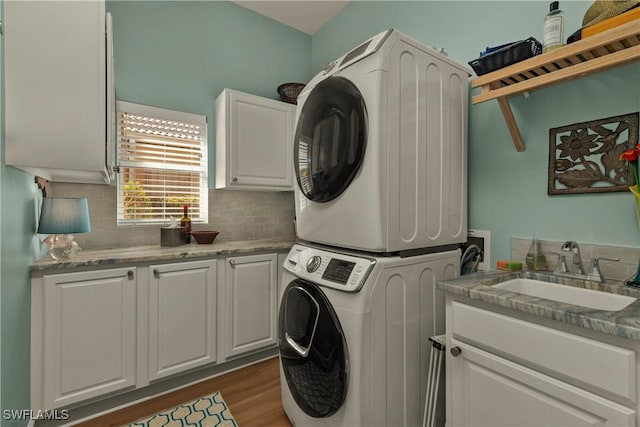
84,336
97,333
250,303
505,371
182,317
487,390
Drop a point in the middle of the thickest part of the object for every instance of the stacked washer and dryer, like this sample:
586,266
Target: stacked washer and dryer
380,155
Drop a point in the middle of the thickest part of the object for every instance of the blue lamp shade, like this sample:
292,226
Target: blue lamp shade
64,215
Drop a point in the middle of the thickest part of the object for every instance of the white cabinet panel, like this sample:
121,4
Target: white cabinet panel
604,366
182,317
254,142
486,390
250,303
281,260
89,335
505,370
59,94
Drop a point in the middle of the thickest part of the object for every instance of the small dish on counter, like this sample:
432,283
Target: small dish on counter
205,237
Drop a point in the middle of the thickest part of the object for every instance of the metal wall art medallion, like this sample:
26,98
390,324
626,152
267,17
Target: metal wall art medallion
583,157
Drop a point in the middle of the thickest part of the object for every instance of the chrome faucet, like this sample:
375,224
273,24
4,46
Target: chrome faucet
577,270
595,273
572,246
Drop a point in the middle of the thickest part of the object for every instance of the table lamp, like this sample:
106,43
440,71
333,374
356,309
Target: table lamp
62,216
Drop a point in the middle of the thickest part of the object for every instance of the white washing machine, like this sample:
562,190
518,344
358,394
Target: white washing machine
380,150
353,335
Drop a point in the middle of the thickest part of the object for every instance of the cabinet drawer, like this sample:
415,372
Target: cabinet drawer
601,365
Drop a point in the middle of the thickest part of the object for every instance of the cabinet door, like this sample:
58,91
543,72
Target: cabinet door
89,334
484,389
56,77
254,142
182,317
250,303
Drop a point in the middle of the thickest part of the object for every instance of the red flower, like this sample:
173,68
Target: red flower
631,155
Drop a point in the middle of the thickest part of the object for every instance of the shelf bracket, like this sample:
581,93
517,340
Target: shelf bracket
614,47
511,123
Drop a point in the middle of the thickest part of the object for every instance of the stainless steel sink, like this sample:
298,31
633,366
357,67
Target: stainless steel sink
567,294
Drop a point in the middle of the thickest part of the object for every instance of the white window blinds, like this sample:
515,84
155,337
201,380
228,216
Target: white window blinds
162,164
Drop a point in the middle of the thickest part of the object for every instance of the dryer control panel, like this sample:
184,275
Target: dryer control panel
331,269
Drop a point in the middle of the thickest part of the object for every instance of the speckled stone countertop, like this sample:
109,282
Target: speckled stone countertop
479,286
140,254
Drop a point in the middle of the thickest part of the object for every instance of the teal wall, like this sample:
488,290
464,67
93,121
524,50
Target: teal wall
508,189
181,55
19,203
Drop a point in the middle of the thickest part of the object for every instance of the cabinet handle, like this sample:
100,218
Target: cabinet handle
156,274
232,262
235,180
130,275
456,351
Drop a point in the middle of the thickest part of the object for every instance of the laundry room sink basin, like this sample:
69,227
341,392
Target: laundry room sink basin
589,298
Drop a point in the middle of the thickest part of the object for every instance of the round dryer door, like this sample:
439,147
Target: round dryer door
313,350
331,137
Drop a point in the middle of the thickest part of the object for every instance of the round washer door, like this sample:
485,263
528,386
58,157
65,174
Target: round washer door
330,140
313,350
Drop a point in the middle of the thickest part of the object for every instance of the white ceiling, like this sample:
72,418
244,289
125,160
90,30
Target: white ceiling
307,16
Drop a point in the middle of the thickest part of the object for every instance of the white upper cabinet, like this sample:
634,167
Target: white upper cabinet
59,96
254,142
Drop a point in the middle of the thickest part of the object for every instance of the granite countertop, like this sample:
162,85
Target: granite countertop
154,253
479,286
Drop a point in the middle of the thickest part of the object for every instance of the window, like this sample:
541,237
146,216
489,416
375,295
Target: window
162,165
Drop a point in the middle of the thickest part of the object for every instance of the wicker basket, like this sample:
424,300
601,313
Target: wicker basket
506,55
289,92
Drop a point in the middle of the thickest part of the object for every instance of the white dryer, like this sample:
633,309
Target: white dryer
353,335
380,150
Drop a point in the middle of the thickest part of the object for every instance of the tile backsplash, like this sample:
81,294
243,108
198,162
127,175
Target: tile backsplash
238,215
614,270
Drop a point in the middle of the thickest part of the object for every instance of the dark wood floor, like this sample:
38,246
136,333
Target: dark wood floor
252,394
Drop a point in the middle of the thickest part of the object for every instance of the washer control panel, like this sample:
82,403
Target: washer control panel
339,270
331,269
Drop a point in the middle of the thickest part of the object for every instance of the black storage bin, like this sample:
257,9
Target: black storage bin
507,55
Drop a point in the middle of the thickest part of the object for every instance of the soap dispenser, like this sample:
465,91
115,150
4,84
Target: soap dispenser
535,259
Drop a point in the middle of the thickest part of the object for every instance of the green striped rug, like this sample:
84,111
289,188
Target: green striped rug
207,411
